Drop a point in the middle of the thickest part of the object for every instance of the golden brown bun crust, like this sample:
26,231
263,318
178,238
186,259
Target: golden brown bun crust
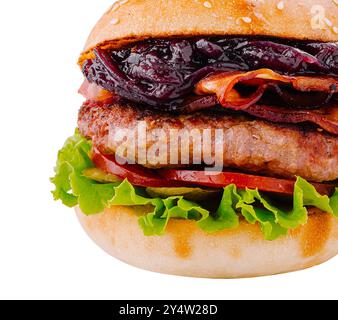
135,20
185,250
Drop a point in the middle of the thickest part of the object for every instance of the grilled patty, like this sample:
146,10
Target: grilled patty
249,145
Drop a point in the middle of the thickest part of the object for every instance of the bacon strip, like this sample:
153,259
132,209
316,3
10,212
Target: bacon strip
92,92
223,85
326,117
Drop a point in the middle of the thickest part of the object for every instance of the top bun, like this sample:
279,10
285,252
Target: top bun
129,21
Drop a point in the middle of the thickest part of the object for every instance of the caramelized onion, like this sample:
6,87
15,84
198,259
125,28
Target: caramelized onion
162,73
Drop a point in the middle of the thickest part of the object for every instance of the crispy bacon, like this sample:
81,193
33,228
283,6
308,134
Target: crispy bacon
92,92
326,118
223,85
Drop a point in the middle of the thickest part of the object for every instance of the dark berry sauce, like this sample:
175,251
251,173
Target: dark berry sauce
162,73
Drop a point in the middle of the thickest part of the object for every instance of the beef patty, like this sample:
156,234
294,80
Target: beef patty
248,144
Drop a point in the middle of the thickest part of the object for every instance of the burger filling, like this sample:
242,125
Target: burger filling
163,73
270,105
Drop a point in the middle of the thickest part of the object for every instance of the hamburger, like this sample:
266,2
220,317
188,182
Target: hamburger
207,143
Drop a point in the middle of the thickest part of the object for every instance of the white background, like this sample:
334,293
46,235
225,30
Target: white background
44,253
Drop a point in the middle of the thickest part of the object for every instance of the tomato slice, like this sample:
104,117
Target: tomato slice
241,180
142,177
135,174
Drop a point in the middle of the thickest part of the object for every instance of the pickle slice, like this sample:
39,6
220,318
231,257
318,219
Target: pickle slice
192,194
100,176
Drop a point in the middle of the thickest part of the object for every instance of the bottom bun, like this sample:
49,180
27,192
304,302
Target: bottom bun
187,251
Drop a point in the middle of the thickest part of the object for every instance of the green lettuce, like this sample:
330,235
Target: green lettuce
73,188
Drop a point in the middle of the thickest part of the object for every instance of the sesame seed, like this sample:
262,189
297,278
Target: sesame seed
335,30
207,4
114,21
115,6
261,18
328,22
118,4
247,19
281,5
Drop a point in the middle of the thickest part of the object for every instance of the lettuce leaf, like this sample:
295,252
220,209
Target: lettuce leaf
226,216
334,203
73,188
92,197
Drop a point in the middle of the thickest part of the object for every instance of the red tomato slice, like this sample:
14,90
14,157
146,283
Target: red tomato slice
142,177
92,92
135,174
242,181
